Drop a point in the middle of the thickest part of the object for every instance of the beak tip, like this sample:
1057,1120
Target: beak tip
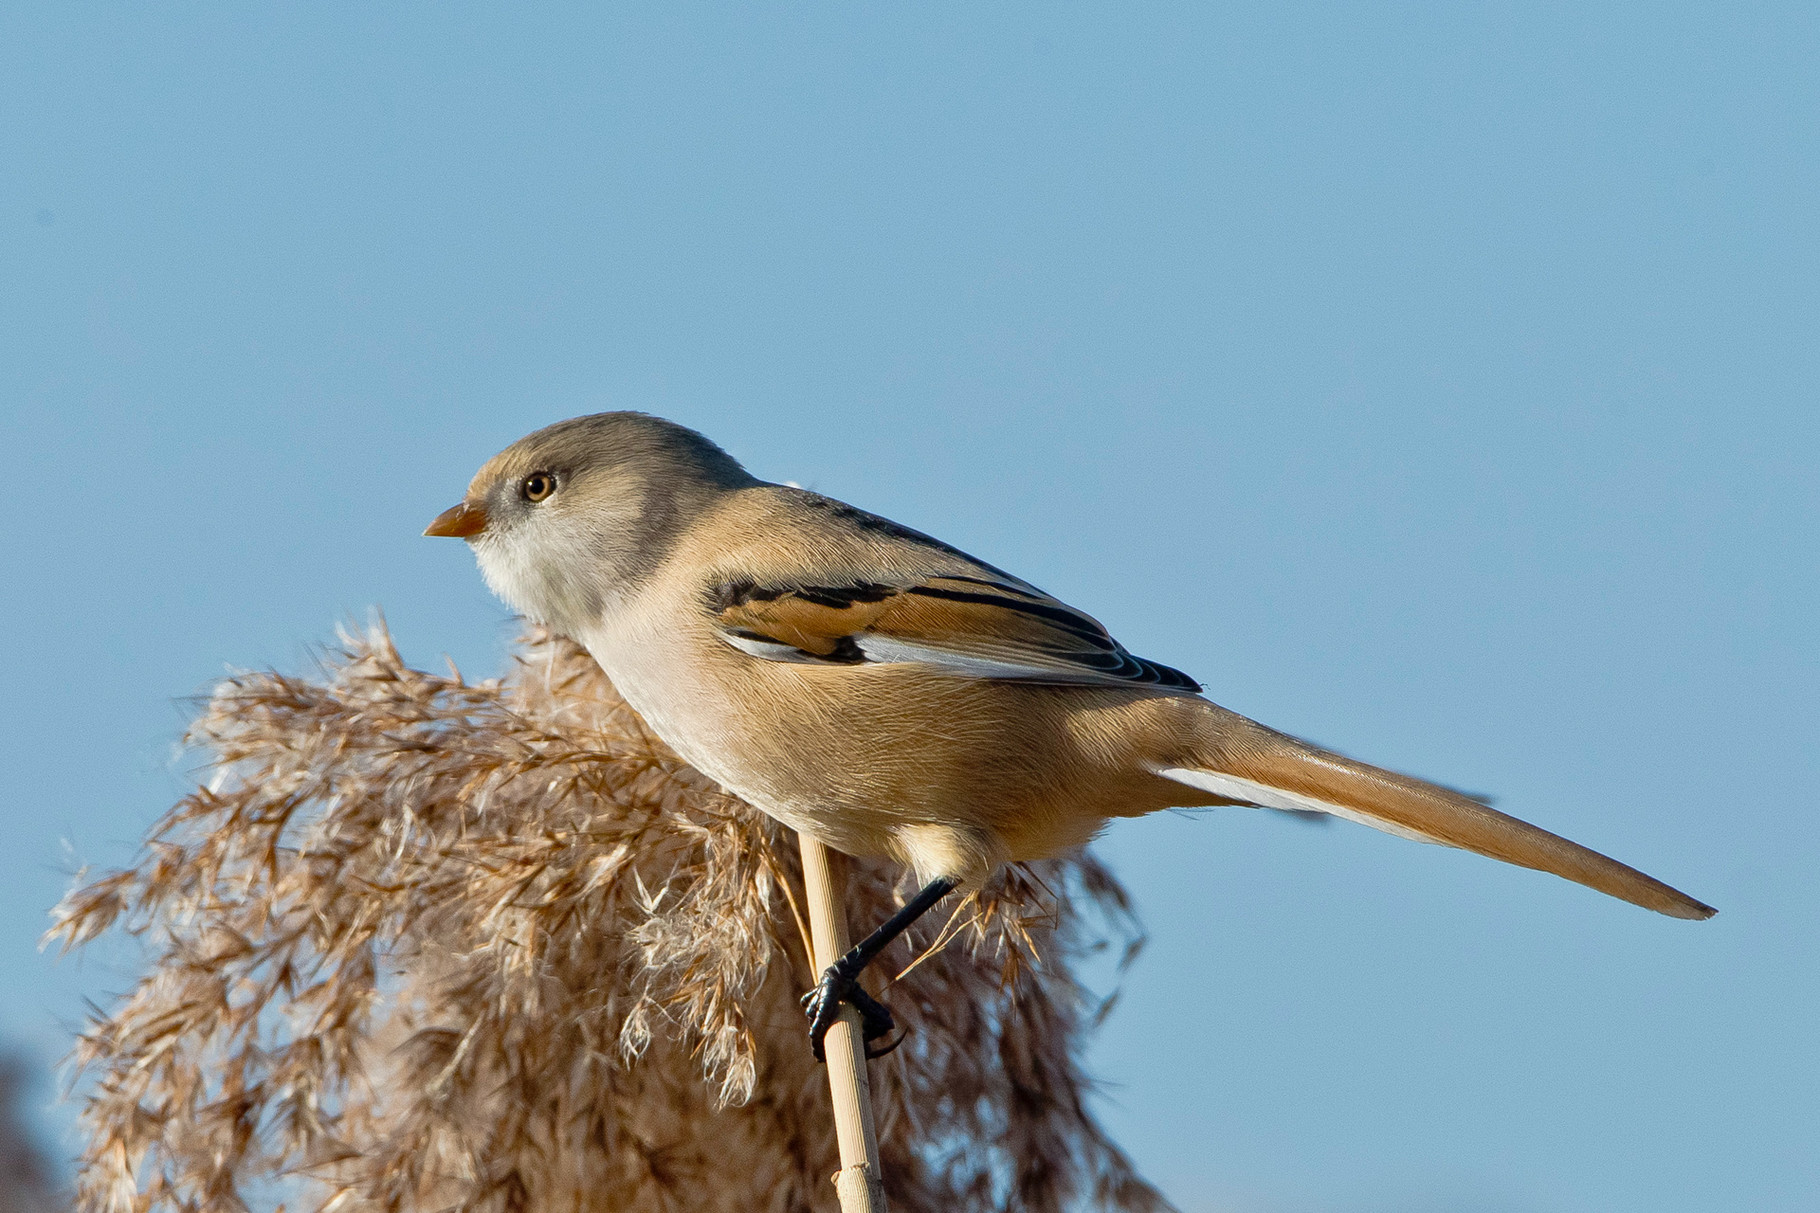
462,521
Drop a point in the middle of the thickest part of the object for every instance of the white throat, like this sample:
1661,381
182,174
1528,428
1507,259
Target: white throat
552,574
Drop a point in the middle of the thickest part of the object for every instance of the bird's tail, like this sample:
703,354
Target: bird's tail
1240,760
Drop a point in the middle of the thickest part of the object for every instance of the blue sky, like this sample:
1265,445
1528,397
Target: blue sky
1438,382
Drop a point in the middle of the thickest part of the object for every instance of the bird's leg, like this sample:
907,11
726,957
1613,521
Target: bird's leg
840,982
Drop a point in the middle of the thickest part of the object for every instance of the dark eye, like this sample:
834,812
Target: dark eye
537,486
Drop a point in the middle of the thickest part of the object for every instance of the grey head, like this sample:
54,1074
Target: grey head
569,519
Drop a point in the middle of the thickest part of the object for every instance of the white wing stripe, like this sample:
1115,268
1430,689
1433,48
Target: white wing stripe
888,649
770,650
1276,798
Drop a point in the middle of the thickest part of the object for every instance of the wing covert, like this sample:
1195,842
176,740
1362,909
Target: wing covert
973,626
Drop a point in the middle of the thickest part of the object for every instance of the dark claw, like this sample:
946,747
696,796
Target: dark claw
900,1038
840,982
874,1016
823,1007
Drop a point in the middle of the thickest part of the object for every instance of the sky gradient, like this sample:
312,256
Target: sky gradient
1436,382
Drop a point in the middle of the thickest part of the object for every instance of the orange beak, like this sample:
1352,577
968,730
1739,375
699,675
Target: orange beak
459,522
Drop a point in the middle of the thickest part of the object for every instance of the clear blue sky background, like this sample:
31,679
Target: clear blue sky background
1435,381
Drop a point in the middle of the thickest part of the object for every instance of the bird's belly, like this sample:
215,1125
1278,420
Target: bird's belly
894,759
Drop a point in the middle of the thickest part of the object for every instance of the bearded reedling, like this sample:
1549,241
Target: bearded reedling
888,694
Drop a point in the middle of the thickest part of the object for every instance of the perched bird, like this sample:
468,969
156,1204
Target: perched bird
888,694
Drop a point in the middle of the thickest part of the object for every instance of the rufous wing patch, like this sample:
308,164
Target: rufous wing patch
815,627
965,625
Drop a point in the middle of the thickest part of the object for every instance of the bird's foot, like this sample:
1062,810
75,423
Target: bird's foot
823,1007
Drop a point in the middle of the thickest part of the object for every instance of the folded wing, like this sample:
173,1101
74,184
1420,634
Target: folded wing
972,626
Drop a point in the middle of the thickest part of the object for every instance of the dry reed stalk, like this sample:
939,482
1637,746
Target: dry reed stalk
859,1183
421,944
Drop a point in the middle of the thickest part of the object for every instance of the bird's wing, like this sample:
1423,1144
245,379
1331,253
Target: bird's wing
985,626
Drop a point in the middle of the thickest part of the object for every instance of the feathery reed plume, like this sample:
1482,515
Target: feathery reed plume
421,944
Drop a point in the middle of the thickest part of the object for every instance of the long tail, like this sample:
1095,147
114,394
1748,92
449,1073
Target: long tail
1241,760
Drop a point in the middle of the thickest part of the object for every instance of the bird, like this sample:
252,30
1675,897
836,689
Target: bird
890,695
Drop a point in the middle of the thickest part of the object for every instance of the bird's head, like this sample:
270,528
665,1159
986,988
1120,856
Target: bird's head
568,520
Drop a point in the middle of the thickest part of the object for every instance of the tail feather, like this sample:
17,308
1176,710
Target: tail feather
1242,760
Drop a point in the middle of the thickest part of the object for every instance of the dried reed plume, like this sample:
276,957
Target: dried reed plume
422,945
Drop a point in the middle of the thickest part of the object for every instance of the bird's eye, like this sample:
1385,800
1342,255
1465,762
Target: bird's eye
537,486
